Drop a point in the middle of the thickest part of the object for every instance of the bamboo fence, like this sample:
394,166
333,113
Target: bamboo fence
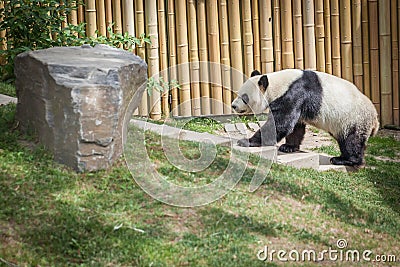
335,33
357,40
298,34
310,61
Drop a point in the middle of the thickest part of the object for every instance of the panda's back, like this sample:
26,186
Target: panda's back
343,106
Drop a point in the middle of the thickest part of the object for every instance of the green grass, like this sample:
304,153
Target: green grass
7,89
51,216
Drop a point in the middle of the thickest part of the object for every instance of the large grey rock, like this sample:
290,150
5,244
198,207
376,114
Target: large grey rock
75,99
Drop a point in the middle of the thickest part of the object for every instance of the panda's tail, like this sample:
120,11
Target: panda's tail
375,127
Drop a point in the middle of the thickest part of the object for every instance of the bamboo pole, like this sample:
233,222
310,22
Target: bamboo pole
203,56
173,75
225,59
194,59
287,36
298,34
235,43
320,34
91,18
141,50
277,35
374,52
213,47
162,32
247,37
267,44
183,58
3,45
328,40
357,45
109,19
73,16
128,17
101,17
346,40
256,34
398,27
81,14
385,57
396,93
336,56
310,61
152,52
116,4
365,46
395,60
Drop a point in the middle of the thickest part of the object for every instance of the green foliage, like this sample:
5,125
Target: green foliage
160,85
7,89
37,24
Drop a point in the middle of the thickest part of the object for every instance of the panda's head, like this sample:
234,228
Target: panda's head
251,96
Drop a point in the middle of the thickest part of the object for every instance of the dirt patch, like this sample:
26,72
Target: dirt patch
389,133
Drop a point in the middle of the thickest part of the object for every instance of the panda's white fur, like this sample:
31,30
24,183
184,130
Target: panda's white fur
343,105
343,110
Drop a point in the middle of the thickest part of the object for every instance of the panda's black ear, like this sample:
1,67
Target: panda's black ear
263,83
255,73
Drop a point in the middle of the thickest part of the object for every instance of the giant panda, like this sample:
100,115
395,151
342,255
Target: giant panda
296,97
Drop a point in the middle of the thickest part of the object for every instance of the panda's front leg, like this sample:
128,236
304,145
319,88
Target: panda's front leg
294,139
253,141
265,136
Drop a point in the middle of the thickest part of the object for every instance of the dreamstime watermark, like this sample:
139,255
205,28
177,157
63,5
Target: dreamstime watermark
340,253
145,170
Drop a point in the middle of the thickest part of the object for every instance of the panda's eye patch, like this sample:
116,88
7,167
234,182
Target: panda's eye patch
245,98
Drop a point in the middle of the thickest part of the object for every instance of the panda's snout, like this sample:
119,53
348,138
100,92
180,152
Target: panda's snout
234,106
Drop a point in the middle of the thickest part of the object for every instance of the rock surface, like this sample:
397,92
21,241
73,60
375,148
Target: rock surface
75,99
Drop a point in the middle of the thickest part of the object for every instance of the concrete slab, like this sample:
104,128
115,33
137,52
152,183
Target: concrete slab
5,99
267,152
253,126
204,138
182,134
261,123
300,160
230,128
242,128
161,129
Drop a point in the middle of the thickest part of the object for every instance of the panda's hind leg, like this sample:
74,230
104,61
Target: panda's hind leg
352,149
294,139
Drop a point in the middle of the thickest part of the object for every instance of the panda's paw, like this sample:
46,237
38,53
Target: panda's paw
288,148
357,163
244,142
